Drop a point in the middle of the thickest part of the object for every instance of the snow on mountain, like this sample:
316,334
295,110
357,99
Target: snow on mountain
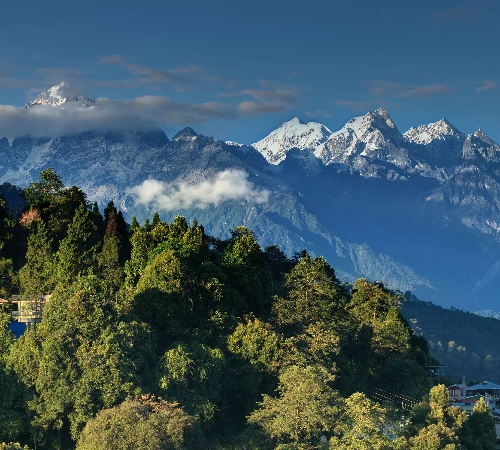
234,144
292,134
360,145
425,134
372,146
366,144
440,143
59,95
479,145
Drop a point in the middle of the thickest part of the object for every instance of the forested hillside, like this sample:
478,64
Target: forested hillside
160,336
466,343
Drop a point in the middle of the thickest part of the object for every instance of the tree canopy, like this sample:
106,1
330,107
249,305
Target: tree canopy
160,336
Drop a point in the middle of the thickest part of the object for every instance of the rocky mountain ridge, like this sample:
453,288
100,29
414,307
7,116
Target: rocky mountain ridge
372,146
412,209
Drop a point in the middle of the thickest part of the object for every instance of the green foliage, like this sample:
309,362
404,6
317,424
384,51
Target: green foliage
13,396
8,278
194,375
109,262
371,302
53,203
78,249
478,432
305,409
38,275
248,273
163,296
12,446
314,294
257,343
141,423
442,424
227,330
365,425
81,357
6,227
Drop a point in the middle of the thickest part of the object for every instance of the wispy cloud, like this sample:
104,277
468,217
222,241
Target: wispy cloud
382,87
460,13
60,73
274,100
8,81
226,185
150,75
277,95
354,105
487,85
179,113
257,108
318,113
144,112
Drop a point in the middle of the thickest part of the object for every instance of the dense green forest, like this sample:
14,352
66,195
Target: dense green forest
466,343
158,336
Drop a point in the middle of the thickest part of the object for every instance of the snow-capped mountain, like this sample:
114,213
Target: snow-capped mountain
372,146
400,208
292,134
58,95
440,142
365,144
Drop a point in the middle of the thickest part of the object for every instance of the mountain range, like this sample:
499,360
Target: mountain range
417,210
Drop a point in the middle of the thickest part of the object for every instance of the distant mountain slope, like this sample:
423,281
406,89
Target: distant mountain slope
466,343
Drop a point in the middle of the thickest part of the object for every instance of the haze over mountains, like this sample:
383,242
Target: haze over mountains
418,210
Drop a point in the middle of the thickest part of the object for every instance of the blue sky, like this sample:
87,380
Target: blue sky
237,70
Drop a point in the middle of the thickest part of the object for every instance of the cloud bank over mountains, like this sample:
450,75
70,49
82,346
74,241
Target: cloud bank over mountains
57,112
142,113
226,185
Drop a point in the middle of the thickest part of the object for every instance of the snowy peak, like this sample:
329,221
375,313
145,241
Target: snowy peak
385,115
292,134
482,137
59,95
425,134
380,120
439,143
479,145
186,134
363,140
362,126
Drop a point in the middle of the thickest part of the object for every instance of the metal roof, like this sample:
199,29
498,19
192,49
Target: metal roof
485,385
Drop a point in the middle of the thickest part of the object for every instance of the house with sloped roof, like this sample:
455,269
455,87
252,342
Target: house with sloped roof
455,391
489,390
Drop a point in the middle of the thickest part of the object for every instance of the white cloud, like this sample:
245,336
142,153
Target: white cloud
382,87
230,184
487,85
318,113
255,108
49,121
355,105
141,113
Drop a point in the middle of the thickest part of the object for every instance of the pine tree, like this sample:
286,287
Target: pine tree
314,294
77,250
38,275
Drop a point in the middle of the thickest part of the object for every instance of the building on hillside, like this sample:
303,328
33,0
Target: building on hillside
468,403
488,390
455,391
26,313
